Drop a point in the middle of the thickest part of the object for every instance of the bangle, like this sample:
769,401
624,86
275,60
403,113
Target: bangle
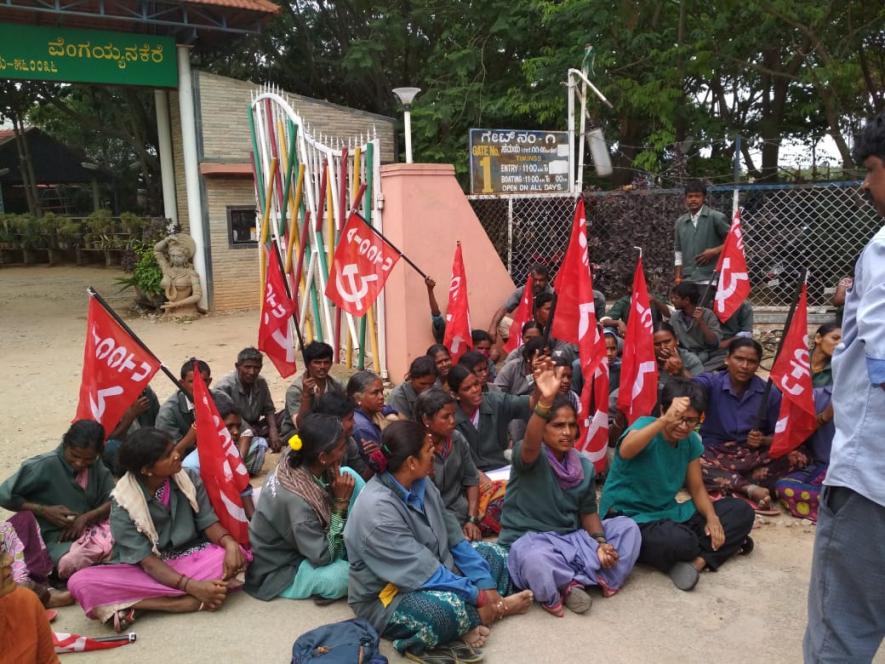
542,411
221,539
187,580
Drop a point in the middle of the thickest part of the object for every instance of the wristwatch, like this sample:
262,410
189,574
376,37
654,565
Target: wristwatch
473,519
599,537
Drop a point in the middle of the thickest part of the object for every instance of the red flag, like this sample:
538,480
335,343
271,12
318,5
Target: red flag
575,321
361,265
274,328
521,315
791,374
734,279
115,369
66,643
638,391
457,338
221,467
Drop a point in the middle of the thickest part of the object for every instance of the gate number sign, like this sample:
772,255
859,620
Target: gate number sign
512,161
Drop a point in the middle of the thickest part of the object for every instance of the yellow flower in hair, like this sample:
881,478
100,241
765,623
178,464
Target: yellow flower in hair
295,443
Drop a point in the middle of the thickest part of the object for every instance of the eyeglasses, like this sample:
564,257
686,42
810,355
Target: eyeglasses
690,422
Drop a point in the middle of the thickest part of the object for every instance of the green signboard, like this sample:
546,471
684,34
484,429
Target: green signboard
86,56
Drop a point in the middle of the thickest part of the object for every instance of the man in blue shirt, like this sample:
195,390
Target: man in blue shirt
846,597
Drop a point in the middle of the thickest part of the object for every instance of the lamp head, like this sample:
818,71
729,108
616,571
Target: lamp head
406,95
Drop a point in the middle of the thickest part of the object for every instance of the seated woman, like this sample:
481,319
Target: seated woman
654,459
170,552
799,491
343,408
454,472
826,339
31,564
370,416
24,629
515,377
558,544
480,365
296,534
735,459
404,548
530,330
442,358
673,361
69,491
422,375
483,419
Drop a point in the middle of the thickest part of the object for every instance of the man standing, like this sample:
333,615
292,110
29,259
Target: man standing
846,597
698,237
251,395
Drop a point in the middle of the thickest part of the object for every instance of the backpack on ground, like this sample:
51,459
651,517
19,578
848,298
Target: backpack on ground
352,641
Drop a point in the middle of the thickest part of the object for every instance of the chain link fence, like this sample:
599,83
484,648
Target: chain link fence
786,227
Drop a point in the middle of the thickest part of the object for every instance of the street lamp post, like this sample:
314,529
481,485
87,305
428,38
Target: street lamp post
406,96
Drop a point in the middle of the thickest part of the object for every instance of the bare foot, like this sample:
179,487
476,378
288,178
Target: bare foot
518,602
59,598
476,637
759,495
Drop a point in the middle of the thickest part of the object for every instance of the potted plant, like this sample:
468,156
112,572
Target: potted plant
31,238
146,277
9,246
101,230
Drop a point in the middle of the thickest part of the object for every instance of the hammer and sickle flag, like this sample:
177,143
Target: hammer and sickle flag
360,267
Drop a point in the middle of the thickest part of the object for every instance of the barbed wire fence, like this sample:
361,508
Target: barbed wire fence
822,226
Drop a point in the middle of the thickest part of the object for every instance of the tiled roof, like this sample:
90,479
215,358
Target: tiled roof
264,6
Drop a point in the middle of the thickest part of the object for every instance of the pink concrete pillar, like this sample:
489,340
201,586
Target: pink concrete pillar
425,213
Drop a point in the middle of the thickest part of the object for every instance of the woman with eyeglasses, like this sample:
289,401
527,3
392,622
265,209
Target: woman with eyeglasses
653,460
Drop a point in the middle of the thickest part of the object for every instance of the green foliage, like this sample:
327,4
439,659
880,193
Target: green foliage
29,231
146,274
768,69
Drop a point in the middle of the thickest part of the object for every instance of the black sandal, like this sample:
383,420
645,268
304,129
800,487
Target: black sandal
464,653
433,656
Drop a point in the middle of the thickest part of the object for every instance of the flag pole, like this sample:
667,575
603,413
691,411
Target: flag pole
763,406
113,314
276,250
391,244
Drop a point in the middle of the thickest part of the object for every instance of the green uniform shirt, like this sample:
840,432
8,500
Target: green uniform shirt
644,487
740,323
294,394
176,416
690,241
284,530
535,502
489,440
403,399
253,403
48,479
453,474
178,527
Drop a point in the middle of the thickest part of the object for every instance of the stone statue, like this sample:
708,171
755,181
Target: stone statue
180,282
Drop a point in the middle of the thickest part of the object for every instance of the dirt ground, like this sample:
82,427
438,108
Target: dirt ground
752,610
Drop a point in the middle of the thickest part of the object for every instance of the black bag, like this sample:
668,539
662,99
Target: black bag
347,642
